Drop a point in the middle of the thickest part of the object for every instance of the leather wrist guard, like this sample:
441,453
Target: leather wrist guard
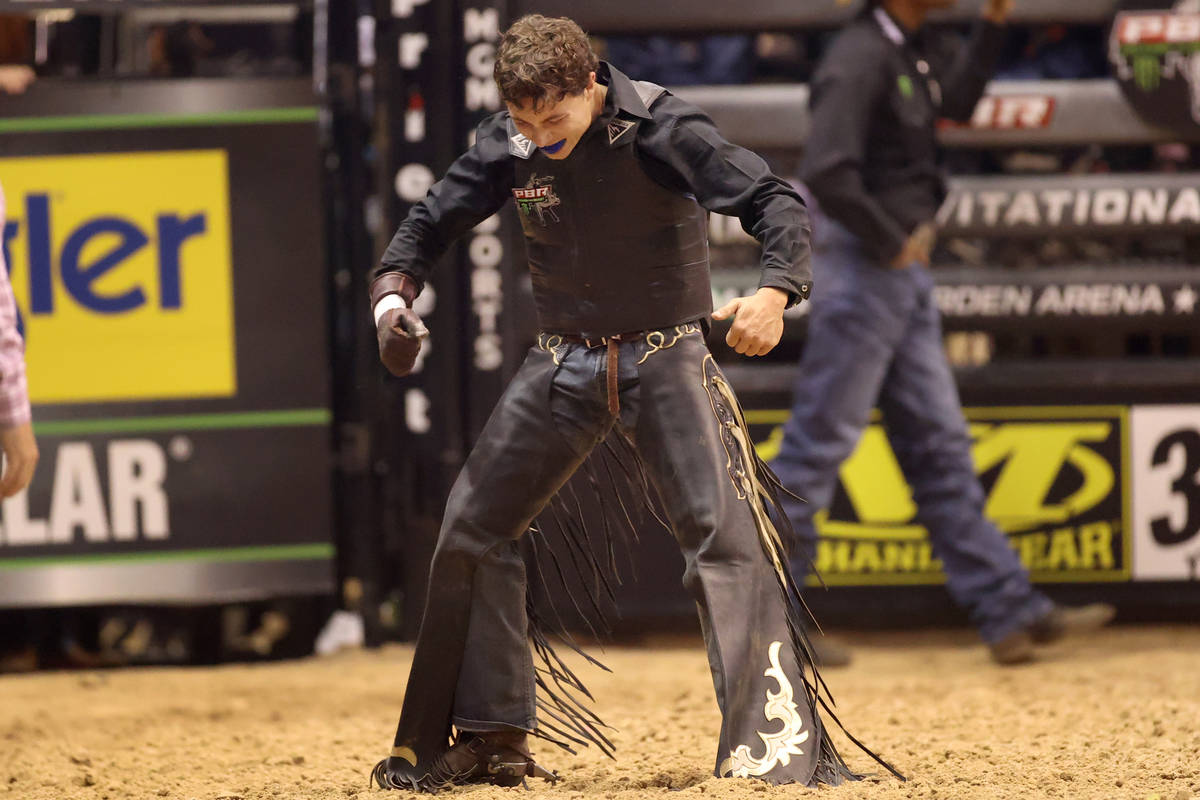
394,283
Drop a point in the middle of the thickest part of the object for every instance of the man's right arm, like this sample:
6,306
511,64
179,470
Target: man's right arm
845,92
475,187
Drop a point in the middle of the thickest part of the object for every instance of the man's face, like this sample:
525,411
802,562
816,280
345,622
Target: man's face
556,128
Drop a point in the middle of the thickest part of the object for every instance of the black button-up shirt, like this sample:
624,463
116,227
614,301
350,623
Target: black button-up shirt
872,159
679,147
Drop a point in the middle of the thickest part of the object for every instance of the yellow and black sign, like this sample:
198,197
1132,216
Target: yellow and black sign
122,269
1055,482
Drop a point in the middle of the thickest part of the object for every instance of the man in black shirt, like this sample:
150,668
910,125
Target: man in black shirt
611,178
874,334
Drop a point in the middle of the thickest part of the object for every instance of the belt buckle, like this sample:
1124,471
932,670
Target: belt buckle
594,343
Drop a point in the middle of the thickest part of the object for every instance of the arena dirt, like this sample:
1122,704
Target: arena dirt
1117,716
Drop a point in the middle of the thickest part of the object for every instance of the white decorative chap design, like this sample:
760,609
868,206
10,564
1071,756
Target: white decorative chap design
780,745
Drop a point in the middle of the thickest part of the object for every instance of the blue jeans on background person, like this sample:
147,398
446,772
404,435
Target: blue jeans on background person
875,338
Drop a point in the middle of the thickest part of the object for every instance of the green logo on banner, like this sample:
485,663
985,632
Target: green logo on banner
1146,72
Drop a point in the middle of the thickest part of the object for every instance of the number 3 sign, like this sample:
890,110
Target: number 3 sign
1166,492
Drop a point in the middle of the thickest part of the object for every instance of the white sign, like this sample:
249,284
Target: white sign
81,505
1166,492
1112,206
1065,300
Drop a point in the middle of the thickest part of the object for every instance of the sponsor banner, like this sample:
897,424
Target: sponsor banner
1034,206
487,254
1165,452
1024,297
1054,479
1051,295
1008,112
979,206
163,485
274,234
1155,55
179,408
124,280
109,260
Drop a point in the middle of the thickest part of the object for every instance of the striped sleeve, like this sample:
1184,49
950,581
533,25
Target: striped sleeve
14,390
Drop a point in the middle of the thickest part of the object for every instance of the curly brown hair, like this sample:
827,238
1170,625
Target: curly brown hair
543,59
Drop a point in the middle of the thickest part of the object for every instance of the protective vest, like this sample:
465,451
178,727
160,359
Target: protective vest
610,250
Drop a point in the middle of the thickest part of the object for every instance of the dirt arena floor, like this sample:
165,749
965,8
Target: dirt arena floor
1116,716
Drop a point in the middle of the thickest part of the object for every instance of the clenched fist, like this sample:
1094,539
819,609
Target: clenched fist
758,321
398,328
400,332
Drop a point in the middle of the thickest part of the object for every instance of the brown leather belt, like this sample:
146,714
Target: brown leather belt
611,342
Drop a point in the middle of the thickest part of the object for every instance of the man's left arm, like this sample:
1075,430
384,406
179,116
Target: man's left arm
975,64
732,180
16,429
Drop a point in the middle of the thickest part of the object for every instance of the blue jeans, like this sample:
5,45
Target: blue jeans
875,338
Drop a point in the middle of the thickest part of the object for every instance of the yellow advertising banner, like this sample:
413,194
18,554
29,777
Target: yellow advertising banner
1055,481
122,268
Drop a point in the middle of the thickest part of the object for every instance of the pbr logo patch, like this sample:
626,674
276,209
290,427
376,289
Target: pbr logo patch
1156,57
538,197
618,128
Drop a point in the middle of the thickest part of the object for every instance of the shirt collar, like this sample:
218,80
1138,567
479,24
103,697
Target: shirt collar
622,94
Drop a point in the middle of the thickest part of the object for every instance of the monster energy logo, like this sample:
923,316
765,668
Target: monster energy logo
1150,48
1147,73
538,197
1152,62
